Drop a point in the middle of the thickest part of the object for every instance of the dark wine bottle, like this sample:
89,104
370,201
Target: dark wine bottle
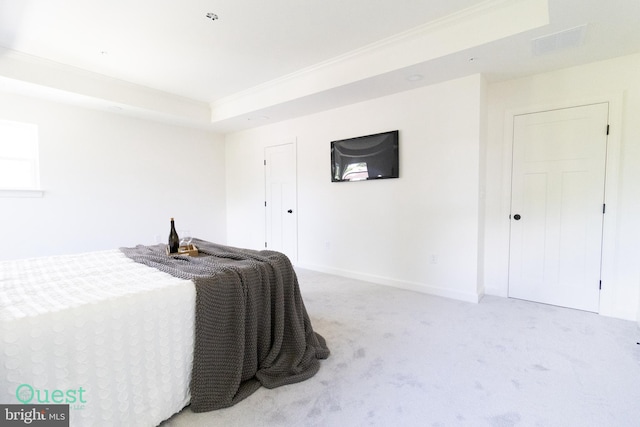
174,240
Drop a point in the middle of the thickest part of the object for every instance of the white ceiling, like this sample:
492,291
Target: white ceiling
170,52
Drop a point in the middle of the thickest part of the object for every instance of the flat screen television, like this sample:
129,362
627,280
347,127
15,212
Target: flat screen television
365,157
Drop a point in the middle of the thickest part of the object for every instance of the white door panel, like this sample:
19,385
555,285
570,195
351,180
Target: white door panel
281,202
557,200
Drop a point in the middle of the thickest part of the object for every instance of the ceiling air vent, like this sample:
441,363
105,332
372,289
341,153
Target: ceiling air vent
571,38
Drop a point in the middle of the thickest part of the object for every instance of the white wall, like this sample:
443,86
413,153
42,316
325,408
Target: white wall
111,181
482,184
419,231
455,167
615,81
107,183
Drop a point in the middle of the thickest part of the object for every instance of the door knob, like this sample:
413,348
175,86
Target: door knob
290,211
517,217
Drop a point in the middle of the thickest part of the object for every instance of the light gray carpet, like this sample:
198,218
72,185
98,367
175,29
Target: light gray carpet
401,358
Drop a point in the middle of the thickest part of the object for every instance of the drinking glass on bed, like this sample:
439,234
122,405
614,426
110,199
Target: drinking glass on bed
185,237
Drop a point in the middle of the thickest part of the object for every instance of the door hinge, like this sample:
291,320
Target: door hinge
265,244
265,203
265,161
607,129
604,208
600,285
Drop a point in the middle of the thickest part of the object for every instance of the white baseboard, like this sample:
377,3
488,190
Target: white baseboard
401,284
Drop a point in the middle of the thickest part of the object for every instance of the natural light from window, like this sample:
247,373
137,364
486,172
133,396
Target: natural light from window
356,172
19,156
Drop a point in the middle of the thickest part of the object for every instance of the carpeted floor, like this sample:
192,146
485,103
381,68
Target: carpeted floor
401,358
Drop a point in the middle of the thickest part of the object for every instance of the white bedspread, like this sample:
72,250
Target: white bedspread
114,336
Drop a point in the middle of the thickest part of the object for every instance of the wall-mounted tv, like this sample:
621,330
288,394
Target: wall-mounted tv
365,157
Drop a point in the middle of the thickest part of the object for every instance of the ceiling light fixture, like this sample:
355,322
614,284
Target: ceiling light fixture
212,16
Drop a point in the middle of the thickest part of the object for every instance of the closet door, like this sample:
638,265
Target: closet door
281,220
557,206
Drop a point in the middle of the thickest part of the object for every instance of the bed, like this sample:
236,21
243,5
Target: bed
131,336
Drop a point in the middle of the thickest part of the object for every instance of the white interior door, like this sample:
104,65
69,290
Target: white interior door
557,208
281,200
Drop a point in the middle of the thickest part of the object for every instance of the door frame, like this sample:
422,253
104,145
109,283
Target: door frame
612,183
294,145
548,172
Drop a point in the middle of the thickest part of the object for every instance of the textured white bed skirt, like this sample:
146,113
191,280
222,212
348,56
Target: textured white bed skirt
113,336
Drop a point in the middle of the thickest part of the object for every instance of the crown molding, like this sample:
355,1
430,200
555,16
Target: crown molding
448,35
30,75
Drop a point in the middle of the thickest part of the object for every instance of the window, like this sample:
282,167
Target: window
19,171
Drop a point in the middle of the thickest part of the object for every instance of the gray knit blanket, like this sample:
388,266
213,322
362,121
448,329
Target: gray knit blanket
251,325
